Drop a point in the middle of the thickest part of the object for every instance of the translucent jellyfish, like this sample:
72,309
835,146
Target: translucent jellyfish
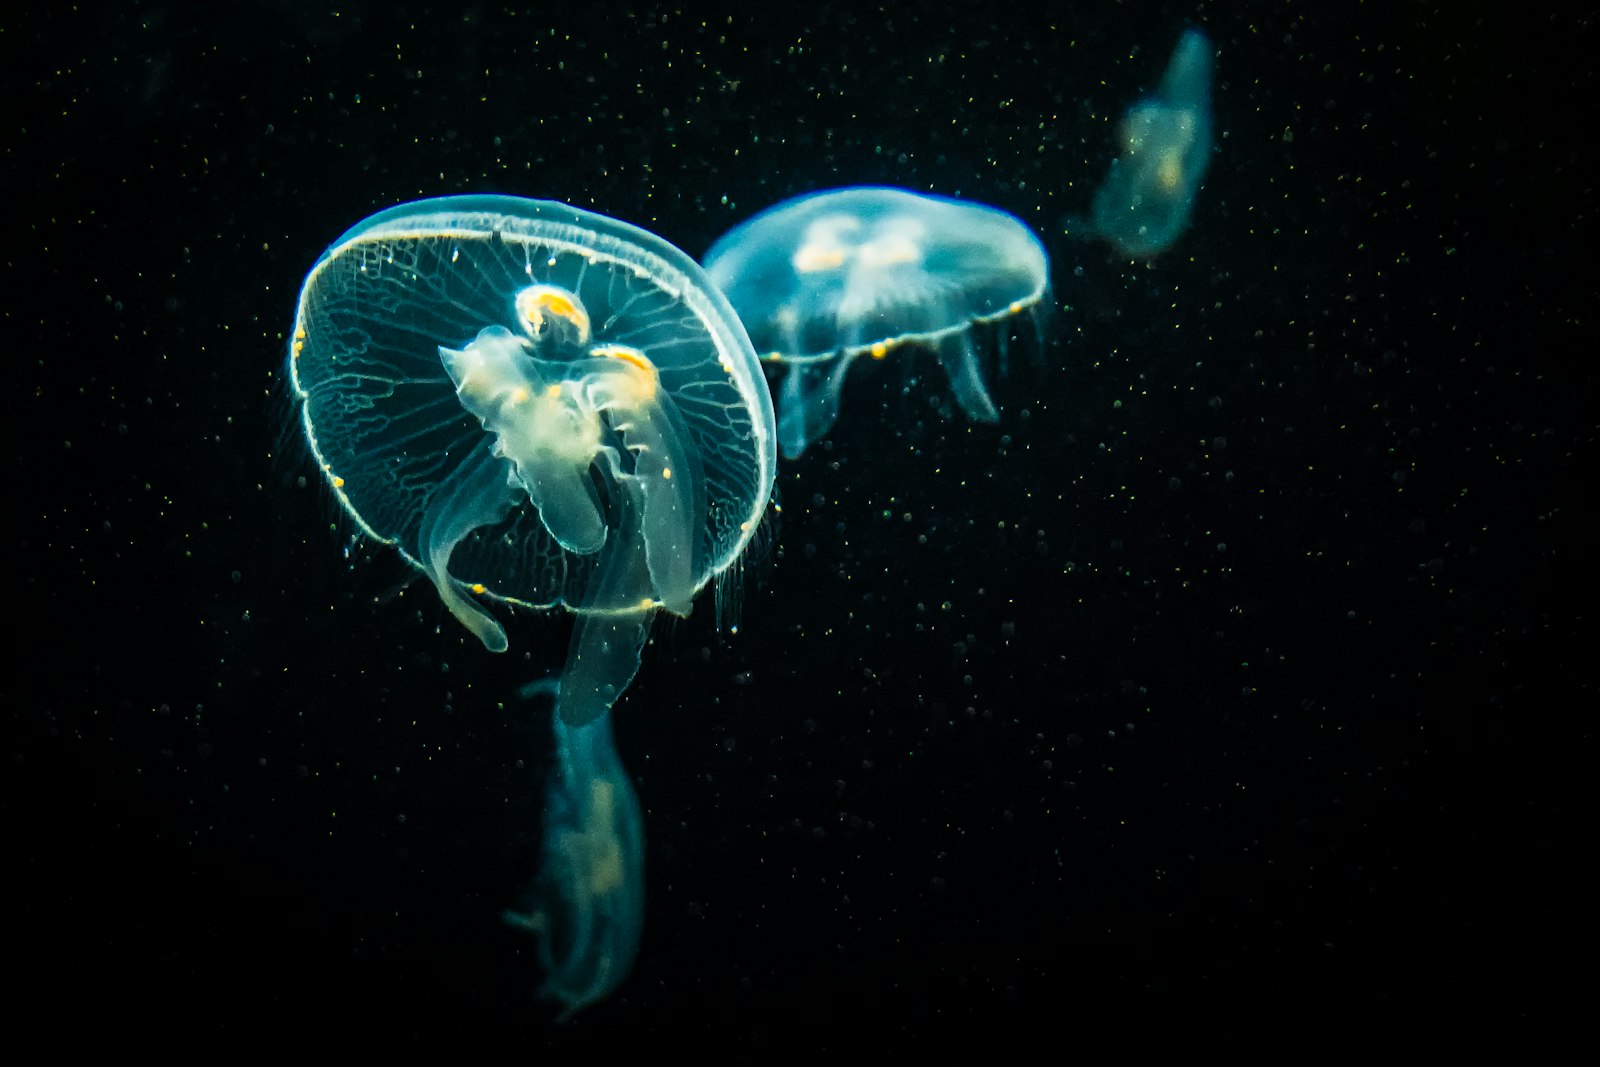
543,407
1145,202
540,406
823,279
587,906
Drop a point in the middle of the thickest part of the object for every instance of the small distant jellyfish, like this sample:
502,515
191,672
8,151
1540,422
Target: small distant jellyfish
824,279
587,904
1146,200
540,406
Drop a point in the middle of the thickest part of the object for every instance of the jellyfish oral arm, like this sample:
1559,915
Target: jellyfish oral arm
666,474
808,404
602,659
960,364
548,418
541,424
603,656
476,494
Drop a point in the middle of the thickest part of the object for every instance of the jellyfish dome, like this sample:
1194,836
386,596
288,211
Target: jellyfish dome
536,405
823,279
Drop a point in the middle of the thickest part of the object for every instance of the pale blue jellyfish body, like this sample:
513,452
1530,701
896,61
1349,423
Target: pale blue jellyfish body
544,407
587,907
824,279
1165,143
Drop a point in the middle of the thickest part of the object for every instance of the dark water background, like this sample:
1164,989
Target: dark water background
1240,683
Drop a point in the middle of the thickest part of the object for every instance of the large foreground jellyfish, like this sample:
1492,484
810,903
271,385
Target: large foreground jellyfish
1145,202
821,280
543,407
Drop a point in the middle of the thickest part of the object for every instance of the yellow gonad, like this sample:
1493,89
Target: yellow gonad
538,305
648,380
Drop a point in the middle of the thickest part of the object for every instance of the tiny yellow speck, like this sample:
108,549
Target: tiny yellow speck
338,482
880,349
479,588
666,472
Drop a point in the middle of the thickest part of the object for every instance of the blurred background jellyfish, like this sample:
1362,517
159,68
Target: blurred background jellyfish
1145,202
823,279
541,406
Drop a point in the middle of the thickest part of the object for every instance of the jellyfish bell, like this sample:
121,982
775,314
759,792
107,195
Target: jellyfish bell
540,406
824,279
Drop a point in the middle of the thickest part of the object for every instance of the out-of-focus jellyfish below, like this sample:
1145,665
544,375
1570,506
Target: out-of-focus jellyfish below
587,906
824,279
1146,200
543,407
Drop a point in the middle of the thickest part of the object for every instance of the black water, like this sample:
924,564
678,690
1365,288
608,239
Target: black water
1238,684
